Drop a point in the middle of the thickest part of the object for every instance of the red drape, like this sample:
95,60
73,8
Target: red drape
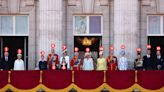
151,79
89,79
57,79
25,79
120,79
3,78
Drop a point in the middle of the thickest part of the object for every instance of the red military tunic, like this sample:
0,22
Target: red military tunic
112,63
50,59
75,64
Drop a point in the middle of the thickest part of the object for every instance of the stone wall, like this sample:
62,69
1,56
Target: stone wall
50,26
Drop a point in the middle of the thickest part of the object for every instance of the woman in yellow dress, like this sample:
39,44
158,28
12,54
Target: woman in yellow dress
101,62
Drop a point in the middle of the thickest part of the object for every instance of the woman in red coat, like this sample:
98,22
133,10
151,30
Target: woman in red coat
112,62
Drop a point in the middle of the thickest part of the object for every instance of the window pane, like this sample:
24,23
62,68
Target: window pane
21,25
154,24
95,24
80,25
6,26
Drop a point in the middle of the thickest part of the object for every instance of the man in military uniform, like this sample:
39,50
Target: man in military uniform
75,62
52,60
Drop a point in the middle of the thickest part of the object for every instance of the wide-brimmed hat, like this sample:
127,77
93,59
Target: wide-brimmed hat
87,54
19,55
64,51
76,53
101,52
122,52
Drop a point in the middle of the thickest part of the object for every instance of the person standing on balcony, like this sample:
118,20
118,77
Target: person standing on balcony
138,63
42,62
6,62
112,60
159,59
52,59
101,62
148,62
76,62
19,63
88,61
64,60
122,62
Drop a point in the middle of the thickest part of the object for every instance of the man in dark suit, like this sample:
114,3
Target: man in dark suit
6,62
162,67
159,60
148,62
42,63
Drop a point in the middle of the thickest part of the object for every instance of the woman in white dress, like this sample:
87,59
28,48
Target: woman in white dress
88,62
19,63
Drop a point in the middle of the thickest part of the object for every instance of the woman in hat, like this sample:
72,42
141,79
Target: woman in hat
19,63
122,63
101,62
88,62
64,60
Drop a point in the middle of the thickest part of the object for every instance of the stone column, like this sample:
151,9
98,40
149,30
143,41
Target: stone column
126,27
50,26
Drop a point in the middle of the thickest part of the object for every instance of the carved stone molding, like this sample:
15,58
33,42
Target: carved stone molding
72,2
13,6
16,6
30,2
104,2
88,6
151,5
145,2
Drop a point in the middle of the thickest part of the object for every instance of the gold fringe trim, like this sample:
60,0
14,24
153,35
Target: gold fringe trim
136,76
130,89
40,80
9,78
14,89
104,85
104,76
73,74
89,90
148,90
